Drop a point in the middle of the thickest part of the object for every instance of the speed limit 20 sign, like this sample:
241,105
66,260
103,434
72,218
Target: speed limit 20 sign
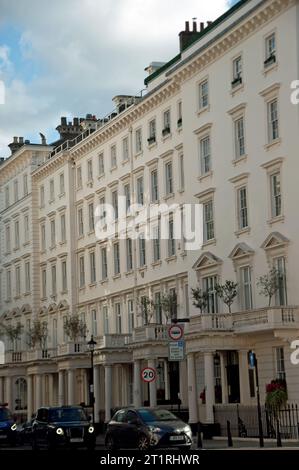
148,374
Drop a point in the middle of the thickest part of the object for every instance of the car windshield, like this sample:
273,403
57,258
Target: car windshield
67,414
5,414
157,415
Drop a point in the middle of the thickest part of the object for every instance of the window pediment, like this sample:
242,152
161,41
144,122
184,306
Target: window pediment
275,240
241,250
207,260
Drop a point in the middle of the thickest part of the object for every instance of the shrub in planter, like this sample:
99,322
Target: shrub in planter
276,393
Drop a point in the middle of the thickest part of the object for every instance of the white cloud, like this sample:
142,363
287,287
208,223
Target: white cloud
87,52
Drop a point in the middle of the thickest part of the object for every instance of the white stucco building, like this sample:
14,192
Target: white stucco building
216,127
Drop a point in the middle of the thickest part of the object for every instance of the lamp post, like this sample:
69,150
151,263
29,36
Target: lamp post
91,345
253,364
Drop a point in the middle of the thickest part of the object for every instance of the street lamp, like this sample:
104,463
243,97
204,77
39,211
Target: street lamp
253,364
91,345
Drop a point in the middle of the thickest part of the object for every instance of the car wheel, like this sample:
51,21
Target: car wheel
110,443
143,442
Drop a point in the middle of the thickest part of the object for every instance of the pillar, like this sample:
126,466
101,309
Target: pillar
192,389
51,389
183,383
38,391
29,397
153,385
223,377
244,377
209,384
96,388
8,392
108,392
61,390
71,386
166,380
1,389
137,383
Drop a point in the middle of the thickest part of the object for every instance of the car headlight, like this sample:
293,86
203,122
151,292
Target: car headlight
154,429
187,430
91,429
13,427
59,431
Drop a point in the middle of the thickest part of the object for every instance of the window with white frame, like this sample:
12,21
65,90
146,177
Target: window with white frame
118,318
80,222
169,178
27,277
26,228
105,320
89,170
208,220
239,137
129,254
16,190
25,185
171,239
116,258
101,164
64,276
203,94
140,190
281,294
94,323
152,131
205,155
173,303
154,186
113,157
273,126
237,71
125,145
104,263
142,252
61,183
53,275
131,322
114,197
156,243
246,287
79,177
102,202
17,234
6,196
44,283
166,122
138,140
91,217
127,194
182,172
53,233
62,228
180,115
81,272
270,49
209,286
275,188
52,190
92,266
8,284
242,208
43,237
280,363
7,239
18,281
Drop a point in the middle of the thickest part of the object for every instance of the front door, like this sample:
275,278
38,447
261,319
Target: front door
233,380
174,381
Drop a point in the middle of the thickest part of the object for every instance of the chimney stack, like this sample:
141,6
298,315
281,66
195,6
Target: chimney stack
194,27
202,26
16,144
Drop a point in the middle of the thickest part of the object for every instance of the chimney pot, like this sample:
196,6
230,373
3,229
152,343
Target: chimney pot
76,121
63,121
194,27
209,23
21,140
202,26
15,140
187,26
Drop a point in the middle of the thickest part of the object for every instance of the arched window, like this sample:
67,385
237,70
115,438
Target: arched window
21,394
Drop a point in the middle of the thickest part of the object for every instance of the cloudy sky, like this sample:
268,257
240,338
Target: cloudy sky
70,57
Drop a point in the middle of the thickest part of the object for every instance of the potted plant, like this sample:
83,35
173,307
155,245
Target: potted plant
269,284
200,298
227,292
276,394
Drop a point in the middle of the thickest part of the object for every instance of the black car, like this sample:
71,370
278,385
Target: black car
8,426
145,428
24,433
66,426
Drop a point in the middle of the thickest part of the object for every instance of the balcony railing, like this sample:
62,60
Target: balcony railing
245,322
112,341
15,356
41,354
71,348
151,332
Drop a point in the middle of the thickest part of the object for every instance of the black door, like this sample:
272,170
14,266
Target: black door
174,381
233,380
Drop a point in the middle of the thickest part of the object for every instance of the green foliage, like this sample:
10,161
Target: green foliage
37,334
227,292
200,298
74,327
269,284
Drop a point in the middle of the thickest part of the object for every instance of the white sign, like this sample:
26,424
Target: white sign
176,351
175,332
148,374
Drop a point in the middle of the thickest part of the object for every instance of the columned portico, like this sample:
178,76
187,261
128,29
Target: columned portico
71,386
38,391
137,383
152,385
209,384
61,391
192,392
108,392
96,386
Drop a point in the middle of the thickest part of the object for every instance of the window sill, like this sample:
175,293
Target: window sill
82,288
272,144
129,273
156,263
168,196
242,231
181,191
64,292
62,243
124,162
138,154
53,247
17,297
203,110
61,195
43,252
92,284
209,242
116,276
80,237
53,296
238,160
26,294
209,174
91,232
142,268
236,89
104,281
101,176
270,68
44,299
51,201
167,136
153,145
90,183
274,220
170,259
16,248
26,243
78,188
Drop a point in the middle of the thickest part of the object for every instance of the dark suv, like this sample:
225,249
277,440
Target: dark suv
8,426
66,426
